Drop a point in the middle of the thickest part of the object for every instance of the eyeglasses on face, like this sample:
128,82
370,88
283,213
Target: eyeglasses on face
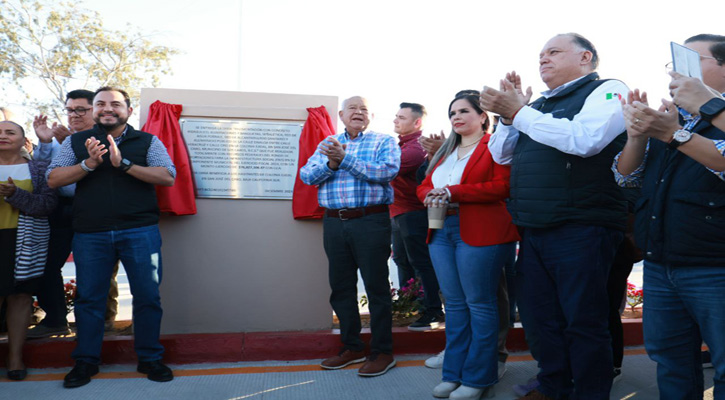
80,111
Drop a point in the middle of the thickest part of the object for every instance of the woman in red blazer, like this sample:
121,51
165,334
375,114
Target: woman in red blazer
468,254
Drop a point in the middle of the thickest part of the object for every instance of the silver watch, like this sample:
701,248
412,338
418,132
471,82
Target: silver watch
85,167
679,137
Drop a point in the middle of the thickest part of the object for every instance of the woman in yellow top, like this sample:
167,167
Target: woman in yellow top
25,200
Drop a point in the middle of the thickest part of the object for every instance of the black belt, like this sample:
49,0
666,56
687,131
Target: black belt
452,211
350,213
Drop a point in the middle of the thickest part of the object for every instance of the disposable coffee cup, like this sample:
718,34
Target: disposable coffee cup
436,217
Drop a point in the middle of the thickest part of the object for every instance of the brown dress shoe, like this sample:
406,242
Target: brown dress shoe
536,395
377,364
343,359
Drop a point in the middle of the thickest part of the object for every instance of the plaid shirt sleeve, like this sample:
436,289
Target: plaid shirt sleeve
720,146
379,163
64,158
633,180
157,156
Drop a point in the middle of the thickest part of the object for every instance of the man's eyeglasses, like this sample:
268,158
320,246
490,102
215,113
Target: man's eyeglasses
80,111
669,65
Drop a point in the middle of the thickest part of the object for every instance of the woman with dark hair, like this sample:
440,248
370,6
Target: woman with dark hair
25,200
469,252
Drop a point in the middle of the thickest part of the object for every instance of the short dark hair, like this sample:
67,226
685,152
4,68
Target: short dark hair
415,108
114,89
80,94
22,130
585,44
718,44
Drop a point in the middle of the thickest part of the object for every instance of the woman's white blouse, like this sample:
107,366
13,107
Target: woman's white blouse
450,171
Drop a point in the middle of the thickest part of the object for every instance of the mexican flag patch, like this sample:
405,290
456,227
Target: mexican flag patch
611,96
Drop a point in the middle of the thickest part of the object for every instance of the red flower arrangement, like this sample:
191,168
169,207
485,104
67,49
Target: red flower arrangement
70,295
635,296
406,300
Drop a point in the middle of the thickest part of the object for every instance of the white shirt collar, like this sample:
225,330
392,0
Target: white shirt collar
555,91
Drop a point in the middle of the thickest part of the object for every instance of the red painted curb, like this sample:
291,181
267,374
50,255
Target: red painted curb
258,346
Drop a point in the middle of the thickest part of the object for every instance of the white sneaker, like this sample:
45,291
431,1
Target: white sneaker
469,393
436,362
523,390
444,389
501,369
617,375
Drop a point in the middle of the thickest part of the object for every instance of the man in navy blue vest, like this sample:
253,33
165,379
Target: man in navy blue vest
115,216
678,159
571,212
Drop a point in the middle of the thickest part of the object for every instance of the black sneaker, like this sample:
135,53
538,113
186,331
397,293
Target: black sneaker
706,359
80,374
428,322
156,370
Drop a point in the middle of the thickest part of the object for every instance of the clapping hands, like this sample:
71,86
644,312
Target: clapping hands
8,189
643,121
334,151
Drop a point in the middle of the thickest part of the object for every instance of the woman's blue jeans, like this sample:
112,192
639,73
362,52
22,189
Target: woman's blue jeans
469,277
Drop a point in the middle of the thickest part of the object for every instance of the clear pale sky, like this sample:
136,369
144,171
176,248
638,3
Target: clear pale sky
394,51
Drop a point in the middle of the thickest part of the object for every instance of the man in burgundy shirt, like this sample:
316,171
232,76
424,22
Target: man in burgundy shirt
409,218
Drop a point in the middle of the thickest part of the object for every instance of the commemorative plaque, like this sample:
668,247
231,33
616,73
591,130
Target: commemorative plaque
242,159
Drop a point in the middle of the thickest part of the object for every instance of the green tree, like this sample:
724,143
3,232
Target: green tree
66,47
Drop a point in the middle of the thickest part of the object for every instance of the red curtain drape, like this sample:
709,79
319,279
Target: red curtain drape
304,198
163,122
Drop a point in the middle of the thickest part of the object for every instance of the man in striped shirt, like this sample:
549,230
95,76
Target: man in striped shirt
353,171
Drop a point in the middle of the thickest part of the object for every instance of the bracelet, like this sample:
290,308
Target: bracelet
85,167
514,116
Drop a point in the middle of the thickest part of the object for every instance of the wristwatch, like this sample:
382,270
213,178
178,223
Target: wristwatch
712,108
86,167
126,164
679,137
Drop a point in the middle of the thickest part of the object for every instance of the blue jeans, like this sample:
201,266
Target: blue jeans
565,271
683,306
469,278
95,254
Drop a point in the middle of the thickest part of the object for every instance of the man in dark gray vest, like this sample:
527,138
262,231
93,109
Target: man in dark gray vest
570,210
115,216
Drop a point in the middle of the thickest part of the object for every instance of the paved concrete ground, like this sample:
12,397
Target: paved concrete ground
275,380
